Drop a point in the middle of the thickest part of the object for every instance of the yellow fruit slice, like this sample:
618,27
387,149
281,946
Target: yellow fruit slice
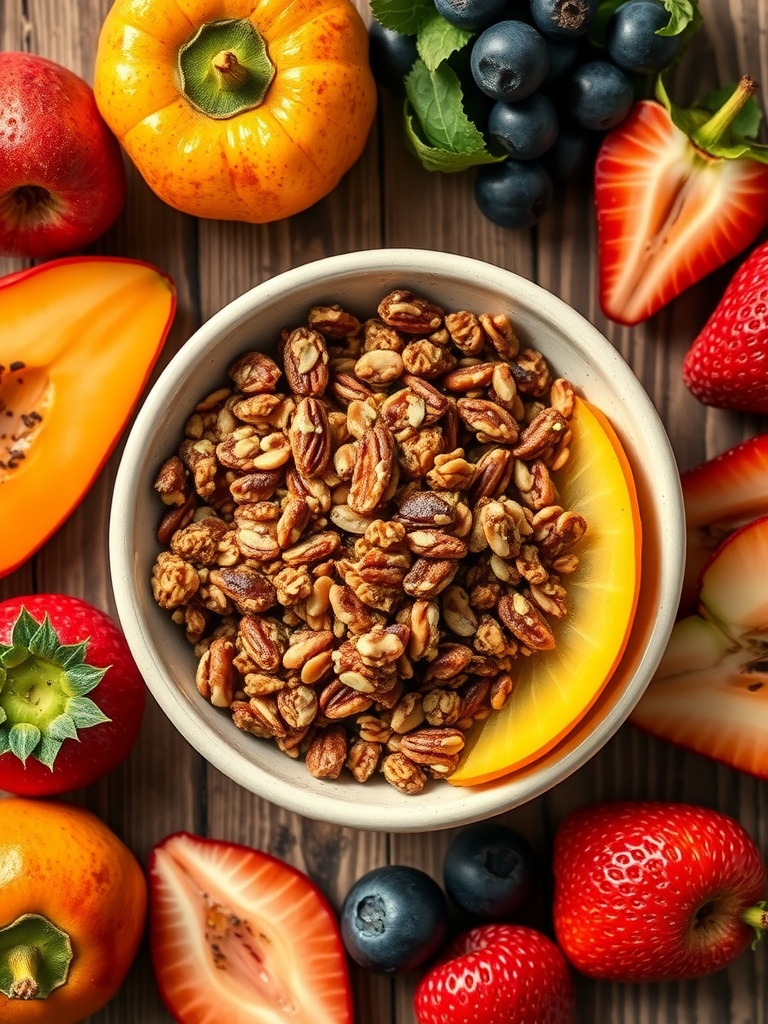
554,689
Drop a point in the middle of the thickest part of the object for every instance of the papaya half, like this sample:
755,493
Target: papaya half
78,340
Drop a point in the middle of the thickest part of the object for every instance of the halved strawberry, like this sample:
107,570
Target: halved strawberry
710,693
676,196
721,495
241,937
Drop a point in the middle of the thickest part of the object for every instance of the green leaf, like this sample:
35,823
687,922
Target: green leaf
62,728
47,750
434,159
404,16
3,715
81,679
72,654
437,102
24,628
5,743
45,643
23,739
437,39
85,713
683,15
10,657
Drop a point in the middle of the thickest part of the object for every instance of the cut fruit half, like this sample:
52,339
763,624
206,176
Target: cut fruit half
710,692
554,689
241,937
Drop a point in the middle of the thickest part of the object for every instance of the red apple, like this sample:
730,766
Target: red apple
62,178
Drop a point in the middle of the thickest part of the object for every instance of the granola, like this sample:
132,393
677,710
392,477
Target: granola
361,535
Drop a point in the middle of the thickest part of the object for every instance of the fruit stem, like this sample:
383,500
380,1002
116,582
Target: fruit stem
230,73
23,962
757,918
712,131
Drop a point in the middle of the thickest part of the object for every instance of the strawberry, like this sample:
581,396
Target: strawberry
710,691
651,891
497,974
725,366
71,696
720,495
239,936
678,193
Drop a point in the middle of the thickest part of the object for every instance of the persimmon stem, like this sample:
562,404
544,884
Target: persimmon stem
23,963
230,73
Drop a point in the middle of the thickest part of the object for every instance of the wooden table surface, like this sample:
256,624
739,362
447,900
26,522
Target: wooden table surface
388,200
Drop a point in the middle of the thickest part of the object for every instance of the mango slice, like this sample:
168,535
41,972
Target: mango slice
78,340
555,689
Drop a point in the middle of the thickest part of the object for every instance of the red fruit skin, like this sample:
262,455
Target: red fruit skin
727,365
121,695
630,879
497,974
667,215
53,136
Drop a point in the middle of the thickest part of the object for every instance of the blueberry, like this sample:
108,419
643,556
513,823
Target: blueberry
599,95
488,871
394,918
513,194
631,38
392,56
471,14
571,156
564,18
525,129
509,60
564,55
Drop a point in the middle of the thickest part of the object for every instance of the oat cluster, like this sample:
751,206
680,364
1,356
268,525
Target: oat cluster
363,534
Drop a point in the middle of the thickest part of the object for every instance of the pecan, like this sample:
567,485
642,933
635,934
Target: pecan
493,472
297,706
450,662
200,459
361,416
265,712
257,486
556,530
408,713
432,745
524,621
466,332
350,610
171,482
346,388
304,645
425,359
379,367
255,372
436,544
373,470
541,434
174,581
374,728
427,577
363,759
423,622
338,700
263,641
292,584
436,403
377,335
310,437
327,752
216,676
403,773
442,707
489,421
550,597
501,334
451,472
249,590
468,378
247,718
417,451
305,358
458,613
176,518
562,397
333,321
315,548
532,373
403,410
410,313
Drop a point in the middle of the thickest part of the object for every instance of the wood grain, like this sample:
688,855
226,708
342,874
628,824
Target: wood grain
388,200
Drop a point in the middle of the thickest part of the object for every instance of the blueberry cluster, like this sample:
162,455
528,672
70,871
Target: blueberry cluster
546,80
396,917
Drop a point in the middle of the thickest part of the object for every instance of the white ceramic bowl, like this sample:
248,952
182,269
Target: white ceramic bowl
358,280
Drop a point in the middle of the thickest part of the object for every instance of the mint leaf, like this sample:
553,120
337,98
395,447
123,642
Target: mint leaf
434,159
437,102
437,39
683,14
404,16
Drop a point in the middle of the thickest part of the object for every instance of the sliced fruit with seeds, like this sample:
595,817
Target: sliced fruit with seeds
710,693
240,936
554,690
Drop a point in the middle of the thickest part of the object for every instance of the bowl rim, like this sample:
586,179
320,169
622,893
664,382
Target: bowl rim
413,814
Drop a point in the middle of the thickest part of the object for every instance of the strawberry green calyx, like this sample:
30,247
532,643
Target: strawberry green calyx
34,957
43,687
729,131
757,918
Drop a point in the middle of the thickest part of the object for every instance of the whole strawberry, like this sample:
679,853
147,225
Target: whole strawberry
727,365
497,974
655,891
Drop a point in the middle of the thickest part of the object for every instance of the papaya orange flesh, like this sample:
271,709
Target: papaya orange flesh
554,689
78,340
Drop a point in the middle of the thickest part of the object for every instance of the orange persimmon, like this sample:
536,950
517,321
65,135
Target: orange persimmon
73,902
78,340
